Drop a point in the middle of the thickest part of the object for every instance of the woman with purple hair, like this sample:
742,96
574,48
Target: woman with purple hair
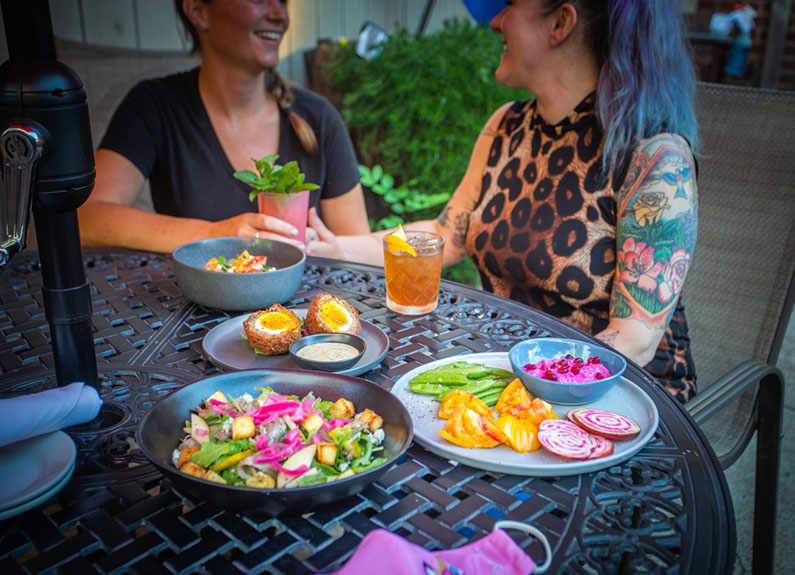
581,201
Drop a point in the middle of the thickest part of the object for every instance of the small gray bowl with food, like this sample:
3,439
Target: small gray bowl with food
235,280
328,351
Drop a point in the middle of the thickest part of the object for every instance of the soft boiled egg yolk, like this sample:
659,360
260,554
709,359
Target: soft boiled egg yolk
276,322
336,316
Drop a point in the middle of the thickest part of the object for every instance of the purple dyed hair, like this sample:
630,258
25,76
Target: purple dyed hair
647,82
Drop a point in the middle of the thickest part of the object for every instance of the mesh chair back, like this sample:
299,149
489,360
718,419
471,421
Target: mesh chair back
736,290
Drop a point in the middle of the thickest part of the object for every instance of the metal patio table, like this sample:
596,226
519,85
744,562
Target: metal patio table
665,510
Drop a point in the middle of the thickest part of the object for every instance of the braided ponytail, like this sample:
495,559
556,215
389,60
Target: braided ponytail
285,97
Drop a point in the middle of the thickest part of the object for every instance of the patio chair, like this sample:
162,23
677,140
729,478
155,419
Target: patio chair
739,292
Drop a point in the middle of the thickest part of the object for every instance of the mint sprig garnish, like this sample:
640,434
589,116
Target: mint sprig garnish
274,178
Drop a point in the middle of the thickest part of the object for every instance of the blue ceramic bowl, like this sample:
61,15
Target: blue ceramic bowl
234,291
534,350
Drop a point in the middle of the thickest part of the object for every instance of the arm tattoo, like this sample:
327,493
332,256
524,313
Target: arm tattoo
460,224
609,337
655,234
461,227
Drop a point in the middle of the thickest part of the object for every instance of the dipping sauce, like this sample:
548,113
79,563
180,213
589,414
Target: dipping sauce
327,351
568,370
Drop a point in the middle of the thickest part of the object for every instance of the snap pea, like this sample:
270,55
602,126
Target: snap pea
479,386
470,370
445,378
490,397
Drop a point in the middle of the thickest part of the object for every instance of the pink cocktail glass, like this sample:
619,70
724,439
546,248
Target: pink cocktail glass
292,208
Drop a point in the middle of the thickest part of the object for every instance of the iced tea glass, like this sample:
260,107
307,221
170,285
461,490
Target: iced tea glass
412,282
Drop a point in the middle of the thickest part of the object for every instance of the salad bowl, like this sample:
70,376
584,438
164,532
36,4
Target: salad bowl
161,430
238,291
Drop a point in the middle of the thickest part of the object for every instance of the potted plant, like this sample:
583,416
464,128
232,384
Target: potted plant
280,191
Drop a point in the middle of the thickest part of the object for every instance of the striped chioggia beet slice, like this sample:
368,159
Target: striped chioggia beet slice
603,448
605,423
565,439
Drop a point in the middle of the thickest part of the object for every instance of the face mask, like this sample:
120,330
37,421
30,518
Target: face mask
384,553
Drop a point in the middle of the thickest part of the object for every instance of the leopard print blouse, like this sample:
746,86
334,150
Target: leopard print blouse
543,231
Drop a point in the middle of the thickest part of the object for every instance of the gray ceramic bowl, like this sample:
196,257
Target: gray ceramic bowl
235,291
534,350
347,338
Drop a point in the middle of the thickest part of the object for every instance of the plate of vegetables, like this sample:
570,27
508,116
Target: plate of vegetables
498,426
275,441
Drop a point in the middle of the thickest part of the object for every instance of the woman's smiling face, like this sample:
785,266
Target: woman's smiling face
246,31
525,37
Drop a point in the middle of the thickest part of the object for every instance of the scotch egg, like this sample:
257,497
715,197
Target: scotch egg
329,313
270,332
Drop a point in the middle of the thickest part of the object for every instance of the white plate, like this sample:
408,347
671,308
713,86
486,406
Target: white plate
32,467
39,499
625,398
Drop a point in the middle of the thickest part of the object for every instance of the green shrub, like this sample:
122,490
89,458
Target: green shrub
414,113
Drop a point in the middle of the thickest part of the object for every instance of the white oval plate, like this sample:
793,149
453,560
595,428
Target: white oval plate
32,467
625,398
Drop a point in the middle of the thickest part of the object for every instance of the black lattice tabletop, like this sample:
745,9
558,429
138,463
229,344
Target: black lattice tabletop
666,510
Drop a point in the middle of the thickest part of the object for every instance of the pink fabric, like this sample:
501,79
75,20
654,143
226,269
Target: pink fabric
383,553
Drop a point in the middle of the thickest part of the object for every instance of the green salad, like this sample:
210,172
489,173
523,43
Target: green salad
279,441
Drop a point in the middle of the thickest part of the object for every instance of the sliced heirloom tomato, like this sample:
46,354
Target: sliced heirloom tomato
458,401
513,399
521,434
538,411
471,429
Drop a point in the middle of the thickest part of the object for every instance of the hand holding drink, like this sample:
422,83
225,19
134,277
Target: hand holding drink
413,268
280,191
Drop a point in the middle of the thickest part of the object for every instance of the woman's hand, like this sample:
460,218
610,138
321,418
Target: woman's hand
252,224
320,241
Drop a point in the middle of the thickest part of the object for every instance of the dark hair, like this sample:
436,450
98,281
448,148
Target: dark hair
277,86
647,82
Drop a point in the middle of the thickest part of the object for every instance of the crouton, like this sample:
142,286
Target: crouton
312,423
342,408
243,427
185,455
372,419
193,469
327,453
214,477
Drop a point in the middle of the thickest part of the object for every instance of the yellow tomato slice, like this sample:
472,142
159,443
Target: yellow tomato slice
398,242
513,399
521,434
460,400
468,428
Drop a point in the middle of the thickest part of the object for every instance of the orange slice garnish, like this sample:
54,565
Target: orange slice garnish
398,242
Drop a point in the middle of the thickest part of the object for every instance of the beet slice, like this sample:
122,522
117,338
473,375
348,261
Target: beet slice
605,423
565,439
603,448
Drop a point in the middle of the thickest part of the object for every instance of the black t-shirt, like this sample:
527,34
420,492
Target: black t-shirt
162,127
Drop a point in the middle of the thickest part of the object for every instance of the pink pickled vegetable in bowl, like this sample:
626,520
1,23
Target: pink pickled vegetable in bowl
566,371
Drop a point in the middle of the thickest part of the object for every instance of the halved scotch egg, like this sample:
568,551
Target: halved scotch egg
329,313
271,331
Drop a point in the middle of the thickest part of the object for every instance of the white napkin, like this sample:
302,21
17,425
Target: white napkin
37,413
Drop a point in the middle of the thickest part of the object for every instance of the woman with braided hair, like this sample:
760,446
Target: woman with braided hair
189,132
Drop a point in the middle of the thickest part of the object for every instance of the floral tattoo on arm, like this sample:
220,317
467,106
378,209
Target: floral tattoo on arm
656,232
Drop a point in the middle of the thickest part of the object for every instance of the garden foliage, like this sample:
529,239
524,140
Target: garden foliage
414,113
